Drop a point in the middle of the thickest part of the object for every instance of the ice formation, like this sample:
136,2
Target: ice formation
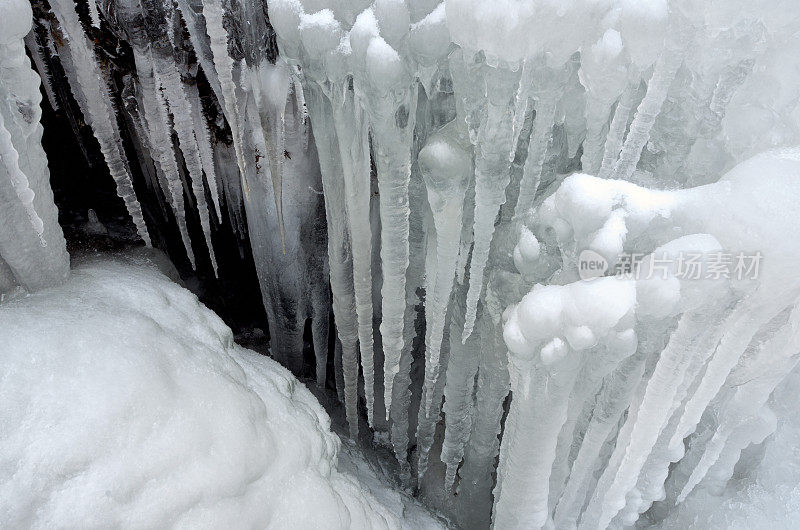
495,203
32,246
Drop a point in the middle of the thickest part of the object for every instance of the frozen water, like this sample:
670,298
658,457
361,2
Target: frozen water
479,163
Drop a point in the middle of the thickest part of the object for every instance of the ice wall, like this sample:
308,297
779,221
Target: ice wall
448,167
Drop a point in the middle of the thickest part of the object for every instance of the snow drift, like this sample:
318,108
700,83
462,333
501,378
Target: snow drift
125,402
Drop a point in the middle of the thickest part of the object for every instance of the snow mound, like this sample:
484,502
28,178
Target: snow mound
125,402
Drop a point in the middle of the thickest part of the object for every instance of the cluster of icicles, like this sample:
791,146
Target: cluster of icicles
462,112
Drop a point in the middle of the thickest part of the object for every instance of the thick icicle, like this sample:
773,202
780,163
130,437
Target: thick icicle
19,182
29,216
270,85
339,255
352,133
445,163
392,111
541,397
97,109
493,148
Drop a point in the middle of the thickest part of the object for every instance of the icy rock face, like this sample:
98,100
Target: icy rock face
173,425
31,242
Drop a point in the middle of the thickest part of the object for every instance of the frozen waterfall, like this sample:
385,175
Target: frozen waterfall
540,253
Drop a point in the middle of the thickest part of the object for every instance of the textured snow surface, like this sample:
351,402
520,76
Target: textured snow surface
125,402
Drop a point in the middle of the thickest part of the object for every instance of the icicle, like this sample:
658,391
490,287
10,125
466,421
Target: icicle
493,148
540,394
181,109
38,257
196,26
339,255
18,181
352,133
475,487
777,357
601,362
601,66
740,328
97,109
445,164
392,117
94,16
156,116
616,132
654,410
223,64
401,399
426,424
657,88
37,54
270,85
614,398
461,372
203,137
540,138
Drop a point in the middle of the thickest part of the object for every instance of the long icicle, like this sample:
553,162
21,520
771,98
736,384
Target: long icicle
616,131
445,164
203,137
181,110
156,117
97,110
339,255
664,73
352,133
493,149
223,64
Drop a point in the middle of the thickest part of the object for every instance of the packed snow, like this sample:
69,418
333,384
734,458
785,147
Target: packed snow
125,402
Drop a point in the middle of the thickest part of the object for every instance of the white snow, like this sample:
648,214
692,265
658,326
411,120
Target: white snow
124,401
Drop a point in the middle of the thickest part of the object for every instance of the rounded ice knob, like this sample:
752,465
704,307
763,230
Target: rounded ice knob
384,65
444,163
526,252
445,166
393,19
284,15
554,351
16,18
430,38
320,31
